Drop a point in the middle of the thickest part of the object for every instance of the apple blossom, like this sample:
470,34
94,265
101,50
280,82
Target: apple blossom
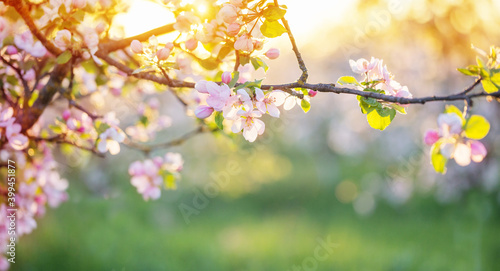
109,140
63,39
250,124
218,95
146,179
431,137
362,65
11,50
136,47
228,13
236,103
244,43
79,3
273,53
312,93
25,42
269,102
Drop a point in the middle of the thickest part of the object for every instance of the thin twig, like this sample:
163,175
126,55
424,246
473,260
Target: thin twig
81,108
176,142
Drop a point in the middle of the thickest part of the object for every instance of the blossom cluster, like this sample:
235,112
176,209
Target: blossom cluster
149,175
12,130
457,138
242,105
378,77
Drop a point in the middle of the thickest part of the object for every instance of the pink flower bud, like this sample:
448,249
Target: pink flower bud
478,151
191,44
201,86
169,45
79,3
233,29
116,91
228,13
11,50
312,93
136,47
203,111
163,53
29,75
66,114
236,3
101,27
273,53
226,77
431,137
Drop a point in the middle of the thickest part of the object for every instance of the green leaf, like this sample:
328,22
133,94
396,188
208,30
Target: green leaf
244,59
380,118
209,63
477,127
454,110
489,86
344,80
274,13
259,63
272,29
306,106
236,76
55,128
64,57
219,118
468,72
437,159
79,15
33,98
398,108
224,51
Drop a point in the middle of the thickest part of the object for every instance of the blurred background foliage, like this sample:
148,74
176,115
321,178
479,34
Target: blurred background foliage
321,175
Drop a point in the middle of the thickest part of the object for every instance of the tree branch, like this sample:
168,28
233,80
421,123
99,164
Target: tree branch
176,142
23,11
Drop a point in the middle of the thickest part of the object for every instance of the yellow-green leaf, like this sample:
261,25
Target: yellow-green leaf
272,29
477,127
437,159
274,13
347,80
380,118
64,57
306,106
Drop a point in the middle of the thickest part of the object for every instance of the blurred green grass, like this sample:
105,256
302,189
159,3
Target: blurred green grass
273,228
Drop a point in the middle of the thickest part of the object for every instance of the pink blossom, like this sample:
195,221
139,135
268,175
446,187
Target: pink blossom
5,116
203,111
29,75
4,28
66,114
17,140
218,95
226,77
449,124
191,44
235,103
257,44
201,86
169,45
269,102
109,140
63,39
236,3
273,53
184,21
136,47
244,43
146,178
173,162
233,29
228,13
431,137
362,65
25,42
79,3
250,124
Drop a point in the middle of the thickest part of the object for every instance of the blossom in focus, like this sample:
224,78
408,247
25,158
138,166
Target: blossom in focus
228,13
268,103
244,43
250,124
236,103
136,47
63,39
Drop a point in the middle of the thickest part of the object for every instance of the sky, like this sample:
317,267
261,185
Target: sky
304,16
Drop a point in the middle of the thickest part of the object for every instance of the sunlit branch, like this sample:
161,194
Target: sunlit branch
60,139
23,11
